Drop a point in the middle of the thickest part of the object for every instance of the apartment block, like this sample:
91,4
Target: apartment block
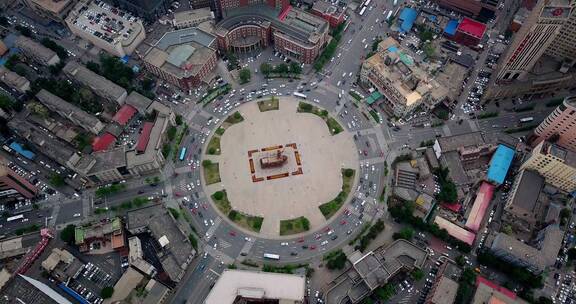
14,187
36,51
56,10
560,125
556,164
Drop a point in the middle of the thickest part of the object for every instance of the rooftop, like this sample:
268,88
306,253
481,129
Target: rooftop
184,36
567,156
54,6
69,111
105,22
327,8
123,116
455,230
184,16
445,291
152,146
37,48
24,289
455,142
103,142
99,84
472,27
526,196
288,288
110,159
14,80
491,293
499,164
138,101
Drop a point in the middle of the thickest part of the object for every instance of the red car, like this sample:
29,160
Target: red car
300,240
193,210
327,229
204,206
343,222
312,247
232,233
318,236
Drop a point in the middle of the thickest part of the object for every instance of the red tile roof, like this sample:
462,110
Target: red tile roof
103,142
480,206
124,114
144,137
472,27
481,280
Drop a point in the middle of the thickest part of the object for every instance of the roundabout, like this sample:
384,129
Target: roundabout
279,168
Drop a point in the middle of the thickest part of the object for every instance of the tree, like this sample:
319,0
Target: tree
179,119
571,254
67,234
460,261
244,75
206,163
218,195
281,68
37,109
266,69
404,233
306,107
5,102
57,180
107,292
417,275
171,133
295,68
565,215
348,172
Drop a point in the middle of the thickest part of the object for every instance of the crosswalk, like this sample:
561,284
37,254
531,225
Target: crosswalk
213,228
223,244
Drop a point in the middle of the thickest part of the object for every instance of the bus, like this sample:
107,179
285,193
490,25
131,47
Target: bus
362,11
389,15
182,153
271,256
395,2
16,217
367,2
297,94
527,119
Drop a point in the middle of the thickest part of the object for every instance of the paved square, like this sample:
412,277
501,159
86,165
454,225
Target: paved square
322,157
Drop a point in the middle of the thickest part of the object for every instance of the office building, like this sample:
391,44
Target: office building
192,18
470,32
69,111
560,125
491,293
184,58
564,45
108,28
523,209
14,187
556,164
404,86
533,39
52,9
36,51
334,14
294,33
98,84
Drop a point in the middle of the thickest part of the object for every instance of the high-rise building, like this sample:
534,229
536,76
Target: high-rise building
226,5
556,164
533,39
561,123
14,187
564,45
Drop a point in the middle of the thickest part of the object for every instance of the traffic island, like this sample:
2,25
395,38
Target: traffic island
250,222
330,208
294,226
333,126
211,172
213,146
271,104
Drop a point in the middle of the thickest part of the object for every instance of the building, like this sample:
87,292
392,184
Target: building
334,14
23,289
295,33
192,18
226,5
470,32
147,157
533,39
535,256
403,85
70,112
374,269
556,164
13,80
243,286
14,187
36,51
560,125
184,58
114,31
472,8
174,249
56,10
489,292
523,209
444,287
564,45
61,264
147,9
107,235
98,84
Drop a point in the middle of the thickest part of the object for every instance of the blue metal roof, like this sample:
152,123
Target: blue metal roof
451,27
72,293
499,165
20,150
408,16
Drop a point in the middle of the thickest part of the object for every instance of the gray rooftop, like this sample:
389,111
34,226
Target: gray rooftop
138,101
184,36
453,143
101,86
69,111
109,160
526,196
29,45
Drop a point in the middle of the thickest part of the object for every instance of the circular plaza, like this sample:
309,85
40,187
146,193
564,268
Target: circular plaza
279,167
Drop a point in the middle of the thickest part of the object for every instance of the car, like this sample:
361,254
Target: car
232,233
312,247
343,222
324,243
284,244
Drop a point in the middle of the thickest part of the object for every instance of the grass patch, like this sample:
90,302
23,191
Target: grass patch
333,126
211,172
247,221
487,115
220,131
234,118
524,109
520,129
355,95
213,146
555,102
269,105
221,200
294,226
330,208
